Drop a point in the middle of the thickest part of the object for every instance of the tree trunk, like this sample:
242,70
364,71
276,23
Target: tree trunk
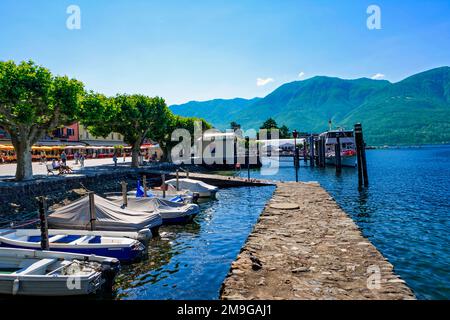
135,152
166,157
24,170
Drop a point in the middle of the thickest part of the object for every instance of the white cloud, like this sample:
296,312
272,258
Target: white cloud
378,76
262,82
301,74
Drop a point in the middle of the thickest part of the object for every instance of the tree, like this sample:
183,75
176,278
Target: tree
269,124
33,102
98,114
284,132
179,122
235,126
140,117
136,117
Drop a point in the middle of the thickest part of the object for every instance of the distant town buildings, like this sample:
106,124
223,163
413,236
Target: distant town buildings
74,134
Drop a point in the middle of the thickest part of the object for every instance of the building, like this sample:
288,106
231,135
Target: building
85,137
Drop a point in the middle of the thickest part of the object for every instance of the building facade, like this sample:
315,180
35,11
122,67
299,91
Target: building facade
85,137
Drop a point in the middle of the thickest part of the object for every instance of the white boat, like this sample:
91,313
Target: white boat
73,241
107,216
171,212
204,190
171,194
48,273
348,145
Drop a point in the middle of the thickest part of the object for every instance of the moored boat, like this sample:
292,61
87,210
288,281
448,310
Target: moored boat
171,212
106,216
347,144
90,242
203,189
48,273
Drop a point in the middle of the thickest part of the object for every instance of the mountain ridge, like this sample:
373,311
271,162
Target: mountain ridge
411,111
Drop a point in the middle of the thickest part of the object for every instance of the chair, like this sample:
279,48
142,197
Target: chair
50,169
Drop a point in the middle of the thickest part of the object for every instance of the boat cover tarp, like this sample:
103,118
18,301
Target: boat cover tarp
192,185
172,191
166,208
109,216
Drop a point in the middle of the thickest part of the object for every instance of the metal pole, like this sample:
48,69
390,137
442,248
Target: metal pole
92,211
296,162
124,193
178,180
44,225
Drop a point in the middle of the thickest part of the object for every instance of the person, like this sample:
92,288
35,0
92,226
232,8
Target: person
82,160
76,156
124,156
55,164
115,159
63,158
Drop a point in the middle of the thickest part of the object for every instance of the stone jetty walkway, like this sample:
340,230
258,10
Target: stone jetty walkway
305,247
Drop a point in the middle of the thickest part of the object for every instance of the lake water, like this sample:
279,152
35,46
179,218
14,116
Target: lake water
405,212
191,261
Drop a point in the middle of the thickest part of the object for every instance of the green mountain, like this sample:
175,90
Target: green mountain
413,111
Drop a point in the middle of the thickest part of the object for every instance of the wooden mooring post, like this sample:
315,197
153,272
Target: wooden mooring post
317,150
163,185
247,154
144,184
363,178
44,225
92,211
337,154
322,151
124,193
296,162
311,151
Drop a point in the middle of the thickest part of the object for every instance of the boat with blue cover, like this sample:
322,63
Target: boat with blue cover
107,244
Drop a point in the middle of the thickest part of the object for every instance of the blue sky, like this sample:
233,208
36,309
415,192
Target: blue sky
199,50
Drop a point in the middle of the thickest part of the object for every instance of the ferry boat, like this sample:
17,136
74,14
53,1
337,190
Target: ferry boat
348,147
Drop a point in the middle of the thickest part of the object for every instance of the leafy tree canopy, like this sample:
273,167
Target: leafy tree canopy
33,102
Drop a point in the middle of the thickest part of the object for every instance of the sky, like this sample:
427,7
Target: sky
201,50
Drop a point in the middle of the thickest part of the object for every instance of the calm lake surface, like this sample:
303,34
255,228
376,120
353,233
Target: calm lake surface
405,212
191,261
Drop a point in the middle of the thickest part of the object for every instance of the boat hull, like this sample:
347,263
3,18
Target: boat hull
28,279
345,161
124,255
41,286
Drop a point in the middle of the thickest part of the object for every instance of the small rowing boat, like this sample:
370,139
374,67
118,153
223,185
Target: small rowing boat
48,273
89,242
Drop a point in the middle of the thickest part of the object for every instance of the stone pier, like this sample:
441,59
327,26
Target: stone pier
305,246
